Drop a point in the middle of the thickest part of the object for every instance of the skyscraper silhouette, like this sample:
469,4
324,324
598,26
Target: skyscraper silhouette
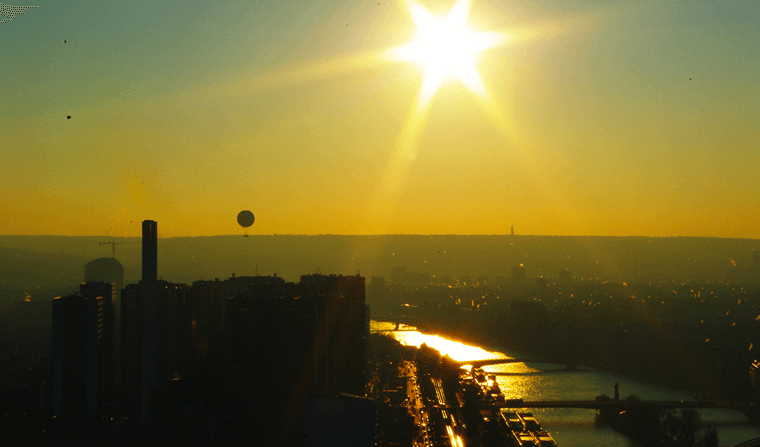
106,270
149,310
77,355
106,362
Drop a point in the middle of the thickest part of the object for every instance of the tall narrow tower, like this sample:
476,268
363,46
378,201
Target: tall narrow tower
149,310
149,251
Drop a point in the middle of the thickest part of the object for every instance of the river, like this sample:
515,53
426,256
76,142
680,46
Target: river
573,427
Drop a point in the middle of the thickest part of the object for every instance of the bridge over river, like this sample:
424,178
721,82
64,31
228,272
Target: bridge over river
485,362
611,404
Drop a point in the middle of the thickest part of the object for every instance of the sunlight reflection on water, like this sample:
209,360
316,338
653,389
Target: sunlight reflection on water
571,426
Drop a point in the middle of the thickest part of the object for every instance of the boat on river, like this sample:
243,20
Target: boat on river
530,421
544,439
524,439
513,421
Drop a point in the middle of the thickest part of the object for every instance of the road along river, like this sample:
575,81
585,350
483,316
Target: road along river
573,427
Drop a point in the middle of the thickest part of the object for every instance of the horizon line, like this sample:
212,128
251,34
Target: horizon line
384,235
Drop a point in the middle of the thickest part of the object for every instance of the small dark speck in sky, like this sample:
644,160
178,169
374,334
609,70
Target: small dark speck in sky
65,41
690,79
68,117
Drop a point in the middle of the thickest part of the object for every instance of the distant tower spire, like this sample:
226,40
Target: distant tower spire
512,230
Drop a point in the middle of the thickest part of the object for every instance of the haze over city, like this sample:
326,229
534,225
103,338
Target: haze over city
564,118
420,223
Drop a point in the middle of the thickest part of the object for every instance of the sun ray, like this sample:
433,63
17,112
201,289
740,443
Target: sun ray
470,77
457,17
444,47
422,18
404,153
447,49
431,82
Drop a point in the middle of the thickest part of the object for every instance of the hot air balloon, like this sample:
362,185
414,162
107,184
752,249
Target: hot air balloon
245,219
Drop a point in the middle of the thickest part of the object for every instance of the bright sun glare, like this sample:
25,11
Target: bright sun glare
446,46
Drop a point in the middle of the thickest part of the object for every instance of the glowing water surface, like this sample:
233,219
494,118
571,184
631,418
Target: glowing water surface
543,381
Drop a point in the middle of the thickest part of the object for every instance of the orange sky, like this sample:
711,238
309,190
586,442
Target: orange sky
599,120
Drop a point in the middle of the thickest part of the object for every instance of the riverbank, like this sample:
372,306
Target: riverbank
492,344
569,426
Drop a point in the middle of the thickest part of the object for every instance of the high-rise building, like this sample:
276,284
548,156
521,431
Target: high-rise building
346,330
131,348
172,330
107,292
171,342
288,340
149,310
149,251
109,270
139,327
206,307
78,353
106,270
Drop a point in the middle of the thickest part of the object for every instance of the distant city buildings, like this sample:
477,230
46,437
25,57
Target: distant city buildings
518,273
402,276
254,344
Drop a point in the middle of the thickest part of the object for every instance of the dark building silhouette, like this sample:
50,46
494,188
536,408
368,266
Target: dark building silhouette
206,306
131,348
139,328
236,286
106,270
156,330
337,420
149,310
107,292
78,355
171,343
288,340
149,251
109,270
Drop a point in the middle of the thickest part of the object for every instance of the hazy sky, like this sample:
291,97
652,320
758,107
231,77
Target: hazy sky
596,118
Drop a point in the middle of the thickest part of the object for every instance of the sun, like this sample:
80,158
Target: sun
446,47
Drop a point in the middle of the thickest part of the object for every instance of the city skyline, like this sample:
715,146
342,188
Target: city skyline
599,119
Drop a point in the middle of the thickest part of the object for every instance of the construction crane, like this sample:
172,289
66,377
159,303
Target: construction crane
113,245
